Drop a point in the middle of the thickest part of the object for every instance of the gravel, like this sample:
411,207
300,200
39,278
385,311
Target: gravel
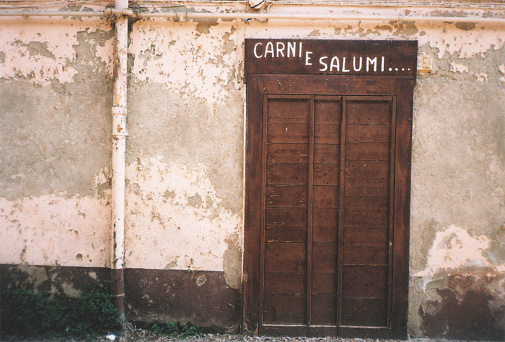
140,335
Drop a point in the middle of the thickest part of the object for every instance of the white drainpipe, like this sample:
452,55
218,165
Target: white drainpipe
119,111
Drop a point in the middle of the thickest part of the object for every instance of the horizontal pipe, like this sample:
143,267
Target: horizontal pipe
107,13
259,16
51,14
297,16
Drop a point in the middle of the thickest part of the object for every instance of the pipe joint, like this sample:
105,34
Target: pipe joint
119,121
115,12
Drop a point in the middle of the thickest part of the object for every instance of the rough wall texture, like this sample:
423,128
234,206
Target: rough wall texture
55,86
185,149
184,173
185,161
458,264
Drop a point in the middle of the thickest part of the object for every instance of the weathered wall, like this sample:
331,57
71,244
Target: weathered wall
458,210
184,221
55,99
184,173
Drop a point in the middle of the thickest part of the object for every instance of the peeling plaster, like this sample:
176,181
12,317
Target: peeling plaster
232,262
42,51
69,290
445,38
481,77
461,292
51,230
189,132
457,209
456,67
55,137
502,70
185,60
171,231
455,249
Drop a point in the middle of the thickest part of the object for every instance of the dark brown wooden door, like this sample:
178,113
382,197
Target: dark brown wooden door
326,238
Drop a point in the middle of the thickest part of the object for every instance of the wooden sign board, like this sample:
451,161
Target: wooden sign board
331,57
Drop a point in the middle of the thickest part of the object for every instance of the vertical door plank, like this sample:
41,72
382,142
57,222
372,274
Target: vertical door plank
341,213
366,271
404,104
310,211
252,212
328,116
325,225
286,209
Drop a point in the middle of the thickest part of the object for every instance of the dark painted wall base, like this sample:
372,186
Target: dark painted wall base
65,281
200,297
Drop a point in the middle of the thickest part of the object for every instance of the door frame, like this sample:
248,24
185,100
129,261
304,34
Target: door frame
260,85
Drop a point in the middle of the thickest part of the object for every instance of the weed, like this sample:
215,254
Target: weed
190,330
24,313
175,329
165,329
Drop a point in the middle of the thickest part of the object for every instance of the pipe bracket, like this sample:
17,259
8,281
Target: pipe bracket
119,121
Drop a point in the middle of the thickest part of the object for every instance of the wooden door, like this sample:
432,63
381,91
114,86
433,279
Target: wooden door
327,185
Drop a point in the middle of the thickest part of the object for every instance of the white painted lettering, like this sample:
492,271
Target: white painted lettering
335,63
269,49
280,49
324,65
307,57
343,66
354,63
291,49
256,51
370,61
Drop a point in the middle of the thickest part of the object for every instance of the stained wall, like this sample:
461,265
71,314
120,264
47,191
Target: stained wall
55,99
184,220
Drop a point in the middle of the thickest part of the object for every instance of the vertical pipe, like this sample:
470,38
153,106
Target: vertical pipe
121,4
119,111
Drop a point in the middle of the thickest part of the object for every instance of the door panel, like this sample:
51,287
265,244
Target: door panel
304,224
286,169
366,268
326,232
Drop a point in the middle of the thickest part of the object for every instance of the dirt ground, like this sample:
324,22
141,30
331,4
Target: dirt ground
139,335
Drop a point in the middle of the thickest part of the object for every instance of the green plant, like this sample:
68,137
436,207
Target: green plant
25,313
165,329
190,330
94,311
175,329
